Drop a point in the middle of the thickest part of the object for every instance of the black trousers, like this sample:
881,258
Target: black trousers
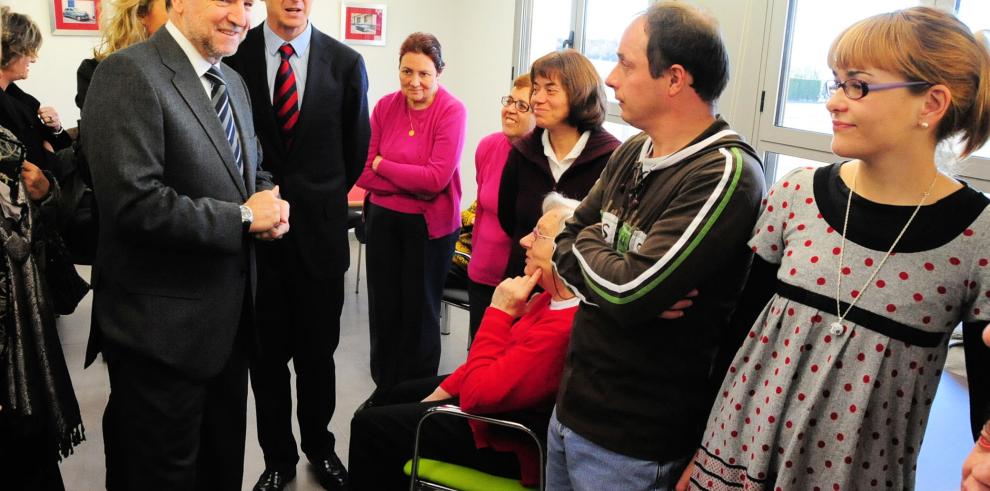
383,437
165,431
406,273
299,319
28,459
479,298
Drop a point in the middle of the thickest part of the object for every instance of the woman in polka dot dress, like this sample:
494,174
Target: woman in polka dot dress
825,396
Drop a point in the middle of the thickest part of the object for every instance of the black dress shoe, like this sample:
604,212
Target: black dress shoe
274,480
331,473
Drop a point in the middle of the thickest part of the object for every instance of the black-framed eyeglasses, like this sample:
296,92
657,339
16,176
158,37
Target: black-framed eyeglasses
856,89
521,106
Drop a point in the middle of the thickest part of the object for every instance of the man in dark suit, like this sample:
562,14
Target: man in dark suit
311,114
175,159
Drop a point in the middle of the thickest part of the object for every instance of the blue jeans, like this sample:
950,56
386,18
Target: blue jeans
574,463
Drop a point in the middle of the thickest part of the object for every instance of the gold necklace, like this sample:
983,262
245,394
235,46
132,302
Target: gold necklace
412,131
836,327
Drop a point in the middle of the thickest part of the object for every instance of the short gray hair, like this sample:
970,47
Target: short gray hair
556,201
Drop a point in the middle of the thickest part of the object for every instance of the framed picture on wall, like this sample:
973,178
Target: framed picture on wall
76,17
362,23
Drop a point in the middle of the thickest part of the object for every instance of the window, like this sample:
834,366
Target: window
793,126
812,27
593,27
779,165
551,28
976,15
621,131
604,23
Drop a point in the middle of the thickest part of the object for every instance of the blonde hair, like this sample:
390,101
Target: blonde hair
123,26
926,44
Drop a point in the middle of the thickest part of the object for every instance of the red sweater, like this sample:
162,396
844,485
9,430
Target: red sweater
512,367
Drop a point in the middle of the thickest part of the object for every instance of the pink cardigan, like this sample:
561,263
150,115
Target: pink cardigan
418,174
490,245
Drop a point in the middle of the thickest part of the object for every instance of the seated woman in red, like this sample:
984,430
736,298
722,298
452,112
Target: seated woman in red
514,366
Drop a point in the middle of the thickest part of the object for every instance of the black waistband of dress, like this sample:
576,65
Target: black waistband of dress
864,318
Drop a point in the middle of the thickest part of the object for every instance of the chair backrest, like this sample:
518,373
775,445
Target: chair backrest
452,410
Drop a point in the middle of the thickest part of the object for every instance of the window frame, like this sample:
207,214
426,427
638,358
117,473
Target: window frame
770,137
523,26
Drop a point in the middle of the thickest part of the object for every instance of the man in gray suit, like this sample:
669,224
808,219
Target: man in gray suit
175,159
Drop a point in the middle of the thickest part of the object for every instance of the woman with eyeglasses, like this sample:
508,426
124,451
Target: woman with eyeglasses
867,265
490,245
412,216
512,371
567,151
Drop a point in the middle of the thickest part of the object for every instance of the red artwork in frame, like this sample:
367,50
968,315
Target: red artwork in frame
76,17
362,23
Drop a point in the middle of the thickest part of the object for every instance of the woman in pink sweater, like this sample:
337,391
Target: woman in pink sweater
490,245
413,218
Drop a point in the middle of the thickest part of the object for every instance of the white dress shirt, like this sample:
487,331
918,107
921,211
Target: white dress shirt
199,63
299,62
557,167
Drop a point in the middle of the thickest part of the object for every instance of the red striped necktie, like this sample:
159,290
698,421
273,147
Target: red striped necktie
286,98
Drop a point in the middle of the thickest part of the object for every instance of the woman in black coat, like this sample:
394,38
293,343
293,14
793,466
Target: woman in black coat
40,421
38,128
567,151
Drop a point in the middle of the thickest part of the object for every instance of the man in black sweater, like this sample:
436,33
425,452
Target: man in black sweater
671,213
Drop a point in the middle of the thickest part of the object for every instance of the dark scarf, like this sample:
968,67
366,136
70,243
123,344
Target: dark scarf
32,366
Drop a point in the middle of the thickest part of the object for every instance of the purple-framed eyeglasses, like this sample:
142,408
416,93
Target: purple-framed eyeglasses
856,89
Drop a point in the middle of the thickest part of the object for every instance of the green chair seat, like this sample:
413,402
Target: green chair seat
462,478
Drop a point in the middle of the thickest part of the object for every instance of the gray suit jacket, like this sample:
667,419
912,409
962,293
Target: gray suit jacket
173,262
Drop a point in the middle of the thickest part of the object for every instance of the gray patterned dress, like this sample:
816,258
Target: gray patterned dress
809,406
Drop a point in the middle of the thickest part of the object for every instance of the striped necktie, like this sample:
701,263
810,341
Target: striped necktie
221,102
285,97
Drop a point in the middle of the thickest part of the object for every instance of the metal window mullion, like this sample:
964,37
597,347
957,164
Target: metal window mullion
579,17
524,34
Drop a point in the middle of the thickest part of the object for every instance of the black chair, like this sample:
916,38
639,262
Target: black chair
355,220
455,294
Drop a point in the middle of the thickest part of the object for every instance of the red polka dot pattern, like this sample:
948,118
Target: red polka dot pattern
814,409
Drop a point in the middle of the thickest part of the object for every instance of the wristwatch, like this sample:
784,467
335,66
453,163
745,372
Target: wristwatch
247,217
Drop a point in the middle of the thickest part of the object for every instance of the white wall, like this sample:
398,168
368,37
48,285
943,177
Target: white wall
743,26
476,36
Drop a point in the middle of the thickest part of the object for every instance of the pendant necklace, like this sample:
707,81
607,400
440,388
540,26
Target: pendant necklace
836,327
412,131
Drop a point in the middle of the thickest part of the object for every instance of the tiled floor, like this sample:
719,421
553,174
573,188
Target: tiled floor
946,445
85,471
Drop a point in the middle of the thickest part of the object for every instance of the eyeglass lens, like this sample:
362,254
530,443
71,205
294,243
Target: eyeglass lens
521,106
